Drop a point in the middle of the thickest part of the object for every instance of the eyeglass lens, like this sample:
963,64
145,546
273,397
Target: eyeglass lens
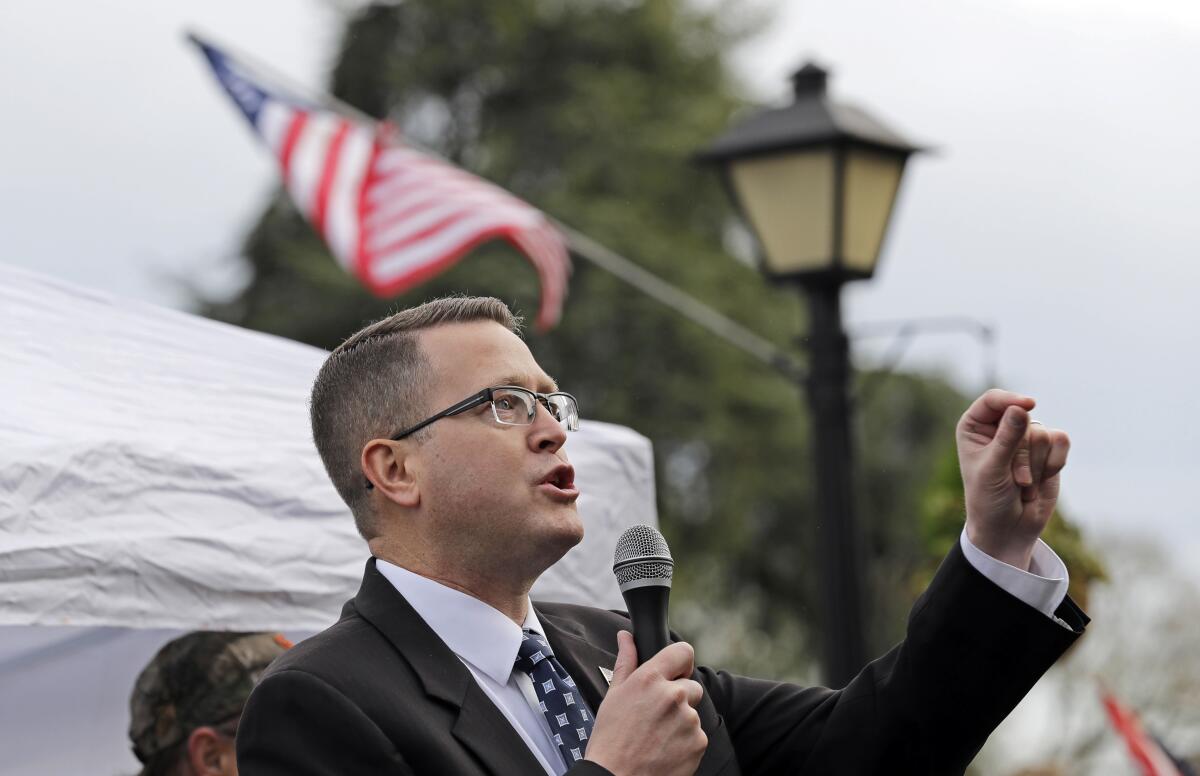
518,408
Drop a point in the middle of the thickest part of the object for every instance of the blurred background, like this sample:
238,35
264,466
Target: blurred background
1057,209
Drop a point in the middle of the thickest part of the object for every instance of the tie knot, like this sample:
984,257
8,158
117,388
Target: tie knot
533,650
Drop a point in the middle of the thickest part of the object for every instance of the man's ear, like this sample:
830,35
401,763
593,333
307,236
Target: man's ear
391,469
209,753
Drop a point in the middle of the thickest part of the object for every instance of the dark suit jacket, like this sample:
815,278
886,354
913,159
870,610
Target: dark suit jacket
379,693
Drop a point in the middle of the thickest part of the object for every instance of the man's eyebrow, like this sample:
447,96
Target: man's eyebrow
543,384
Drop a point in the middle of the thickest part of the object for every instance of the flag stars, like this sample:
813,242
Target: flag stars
375,217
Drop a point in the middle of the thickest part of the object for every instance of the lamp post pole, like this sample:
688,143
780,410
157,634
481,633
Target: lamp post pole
840,555
816,180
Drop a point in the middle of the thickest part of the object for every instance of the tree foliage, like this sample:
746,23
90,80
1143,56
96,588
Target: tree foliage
590,110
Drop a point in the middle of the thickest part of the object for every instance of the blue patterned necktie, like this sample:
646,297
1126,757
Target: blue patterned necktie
560,701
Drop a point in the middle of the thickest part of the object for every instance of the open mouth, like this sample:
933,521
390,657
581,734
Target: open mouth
561,481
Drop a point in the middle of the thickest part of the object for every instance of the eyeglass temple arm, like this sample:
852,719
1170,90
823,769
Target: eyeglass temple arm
462,406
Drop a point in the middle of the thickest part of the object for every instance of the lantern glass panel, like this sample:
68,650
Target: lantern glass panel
872,179
788,199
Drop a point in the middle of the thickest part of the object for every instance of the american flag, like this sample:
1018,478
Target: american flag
391,214
1152,757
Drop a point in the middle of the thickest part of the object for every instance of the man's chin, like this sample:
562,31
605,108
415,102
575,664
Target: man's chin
564,533
572,528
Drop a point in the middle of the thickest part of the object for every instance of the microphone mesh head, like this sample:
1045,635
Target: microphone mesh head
642,553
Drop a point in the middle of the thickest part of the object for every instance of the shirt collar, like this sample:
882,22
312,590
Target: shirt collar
473,630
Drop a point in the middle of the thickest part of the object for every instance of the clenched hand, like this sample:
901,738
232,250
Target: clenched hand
1010,468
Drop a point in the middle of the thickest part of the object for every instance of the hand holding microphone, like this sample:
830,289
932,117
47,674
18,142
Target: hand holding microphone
648,724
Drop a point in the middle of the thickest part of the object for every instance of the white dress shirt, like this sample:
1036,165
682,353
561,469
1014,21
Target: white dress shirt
486,641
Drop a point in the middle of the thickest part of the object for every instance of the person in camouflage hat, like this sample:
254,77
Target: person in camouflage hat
187,701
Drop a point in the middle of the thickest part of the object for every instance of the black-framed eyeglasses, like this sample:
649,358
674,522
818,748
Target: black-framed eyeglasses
511,406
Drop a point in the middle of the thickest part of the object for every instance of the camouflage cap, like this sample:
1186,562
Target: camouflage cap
201,678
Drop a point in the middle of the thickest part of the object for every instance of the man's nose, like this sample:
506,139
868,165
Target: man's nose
546,434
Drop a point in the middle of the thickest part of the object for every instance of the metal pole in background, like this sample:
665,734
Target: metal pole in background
820,223
838,542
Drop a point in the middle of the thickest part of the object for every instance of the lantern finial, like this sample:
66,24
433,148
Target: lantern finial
810,81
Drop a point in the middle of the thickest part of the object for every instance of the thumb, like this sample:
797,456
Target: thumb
1009,434
627,659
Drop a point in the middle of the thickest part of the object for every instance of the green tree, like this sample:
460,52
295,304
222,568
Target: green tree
590,110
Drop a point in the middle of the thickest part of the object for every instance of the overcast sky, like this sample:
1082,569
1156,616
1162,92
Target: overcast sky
1059,207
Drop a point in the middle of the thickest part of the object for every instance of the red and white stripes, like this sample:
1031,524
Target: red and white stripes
420,214
392,215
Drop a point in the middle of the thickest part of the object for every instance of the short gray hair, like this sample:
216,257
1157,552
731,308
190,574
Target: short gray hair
374,384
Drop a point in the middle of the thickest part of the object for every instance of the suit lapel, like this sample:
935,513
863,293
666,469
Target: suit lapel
582,660
480,726
484,730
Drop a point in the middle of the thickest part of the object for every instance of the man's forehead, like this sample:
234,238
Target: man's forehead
484,353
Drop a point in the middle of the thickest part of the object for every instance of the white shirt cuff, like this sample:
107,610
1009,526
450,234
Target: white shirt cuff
1043,587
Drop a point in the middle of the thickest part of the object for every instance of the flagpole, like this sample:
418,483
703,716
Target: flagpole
582,246
681,302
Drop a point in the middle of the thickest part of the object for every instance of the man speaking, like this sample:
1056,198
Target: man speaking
446,440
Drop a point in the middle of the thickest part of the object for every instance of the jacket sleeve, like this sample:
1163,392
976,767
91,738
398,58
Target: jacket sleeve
295,724
971,653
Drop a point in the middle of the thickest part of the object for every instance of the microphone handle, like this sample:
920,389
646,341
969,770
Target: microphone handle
648,610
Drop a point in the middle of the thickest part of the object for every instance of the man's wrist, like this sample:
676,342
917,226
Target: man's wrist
1043,586
1018,554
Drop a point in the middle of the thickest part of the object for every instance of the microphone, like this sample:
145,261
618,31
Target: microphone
643,566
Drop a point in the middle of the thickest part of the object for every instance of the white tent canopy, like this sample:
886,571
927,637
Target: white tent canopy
156,475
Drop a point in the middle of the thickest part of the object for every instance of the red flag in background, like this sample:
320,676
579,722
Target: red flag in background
1150,755
391,214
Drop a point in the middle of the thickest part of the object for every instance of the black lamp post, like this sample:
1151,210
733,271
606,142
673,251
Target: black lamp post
816,181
